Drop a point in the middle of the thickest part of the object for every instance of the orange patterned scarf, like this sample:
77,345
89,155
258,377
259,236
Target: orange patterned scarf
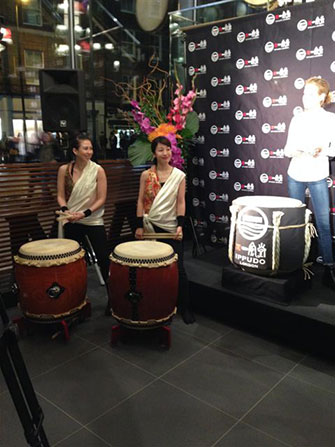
151,189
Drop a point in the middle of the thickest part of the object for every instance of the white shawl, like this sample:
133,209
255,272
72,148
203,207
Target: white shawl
83,196
163,211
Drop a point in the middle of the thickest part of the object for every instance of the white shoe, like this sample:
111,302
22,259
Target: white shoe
319,260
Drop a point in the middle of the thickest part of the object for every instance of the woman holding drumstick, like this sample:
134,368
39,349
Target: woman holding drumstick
161,209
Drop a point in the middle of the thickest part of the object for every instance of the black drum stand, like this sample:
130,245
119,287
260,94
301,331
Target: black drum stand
19,384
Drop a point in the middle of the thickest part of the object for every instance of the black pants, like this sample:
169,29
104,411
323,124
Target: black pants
97,236
183,289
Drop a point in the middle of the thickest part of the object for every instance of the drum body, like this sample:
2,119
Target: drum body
52,278
143,283
269,235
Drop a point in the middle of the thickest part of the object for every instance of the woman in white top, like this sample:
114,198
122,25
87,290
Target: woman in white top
310,143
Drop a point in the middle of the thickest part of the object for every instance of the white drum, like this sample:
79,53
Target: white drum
269,234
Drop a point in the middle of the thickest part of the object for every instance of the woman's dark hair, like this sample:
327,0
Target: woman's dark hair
154,143
78,139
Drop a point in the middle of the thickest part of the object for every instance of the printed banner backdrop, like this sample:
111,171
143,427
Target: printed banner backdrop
250,78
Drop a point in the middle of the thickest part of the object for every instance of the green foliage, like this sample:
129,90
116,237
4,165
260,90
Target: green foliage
139,153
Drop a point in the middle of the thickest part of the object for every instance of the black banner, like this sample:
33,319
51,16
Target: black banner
250,78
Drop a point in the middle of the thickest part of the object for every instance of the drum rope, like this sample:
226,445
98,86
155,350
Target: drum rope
234,210
276,218
144,324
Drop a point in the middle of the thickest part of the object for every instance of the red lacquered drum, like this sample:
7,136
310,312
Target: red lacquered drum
143,283
52,278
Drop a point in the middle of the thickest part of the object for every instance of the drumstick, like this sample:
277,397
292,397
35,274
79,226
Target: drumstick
160,236
63,215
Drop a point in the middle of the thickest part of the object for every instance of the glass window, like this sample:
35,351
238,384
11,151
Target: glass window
32,13
33,61
127,6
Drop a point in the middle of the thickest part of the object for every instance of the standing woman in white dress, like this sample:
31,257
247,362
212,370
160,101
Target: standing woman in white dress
310,143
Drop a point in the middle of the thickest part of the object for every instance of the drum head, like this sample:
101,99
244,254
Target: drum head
143,254
268,202
48,252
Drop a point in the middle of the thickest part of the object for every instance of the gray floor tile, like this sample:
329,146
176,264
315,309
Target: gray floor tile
224,379
83,438
56,424
204,328
263,351
40,353
91,384
317,372
244,436
142,349
96,330
162,416
297,413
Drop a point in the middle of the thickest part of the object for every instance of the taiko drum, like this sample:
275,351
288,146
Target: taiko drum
52,278
143,283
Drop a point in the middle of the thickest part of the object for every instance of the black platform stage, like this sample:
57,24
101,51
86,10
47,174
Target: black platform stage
307,316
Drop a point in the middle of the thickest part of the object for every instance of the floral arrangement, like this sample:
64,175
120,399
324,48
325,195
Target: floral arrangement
150,119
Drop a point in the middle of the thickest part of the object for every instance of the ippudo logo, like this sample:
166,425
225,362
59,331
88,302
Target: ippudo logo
252,223
247,63
284,44
246,89
266,178
304,24
252,35
197,70
245,187
215,81
299,83
219,152
282,73
250,115
272,153
275,102
274,18
302,54
226,28
193,46
214,197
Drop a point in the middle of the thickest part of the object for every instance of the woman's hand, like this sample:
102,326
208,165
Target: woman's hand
74,217
179,233
139,233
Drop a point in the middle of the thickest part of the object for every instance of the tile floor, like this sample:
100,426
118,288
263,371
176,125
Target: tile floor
217,386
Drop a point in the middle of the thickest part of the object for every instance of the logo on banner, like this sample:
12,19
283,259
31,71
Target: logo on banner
196,202
222,56
246,89
198,161
219,153
332,66
197,70
302,54
284,44
213,197
242,37
201,94
223,129
272,153
250,139
202,116
198,182
276,74
304,24
252,223
249,164
275,102
277,179
213,175
225,29
225,105
297,110
248,187
275,18
247,63
251,115
255,257
219,219
276,128
200,139
330,182
193,46
299,83
226,80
